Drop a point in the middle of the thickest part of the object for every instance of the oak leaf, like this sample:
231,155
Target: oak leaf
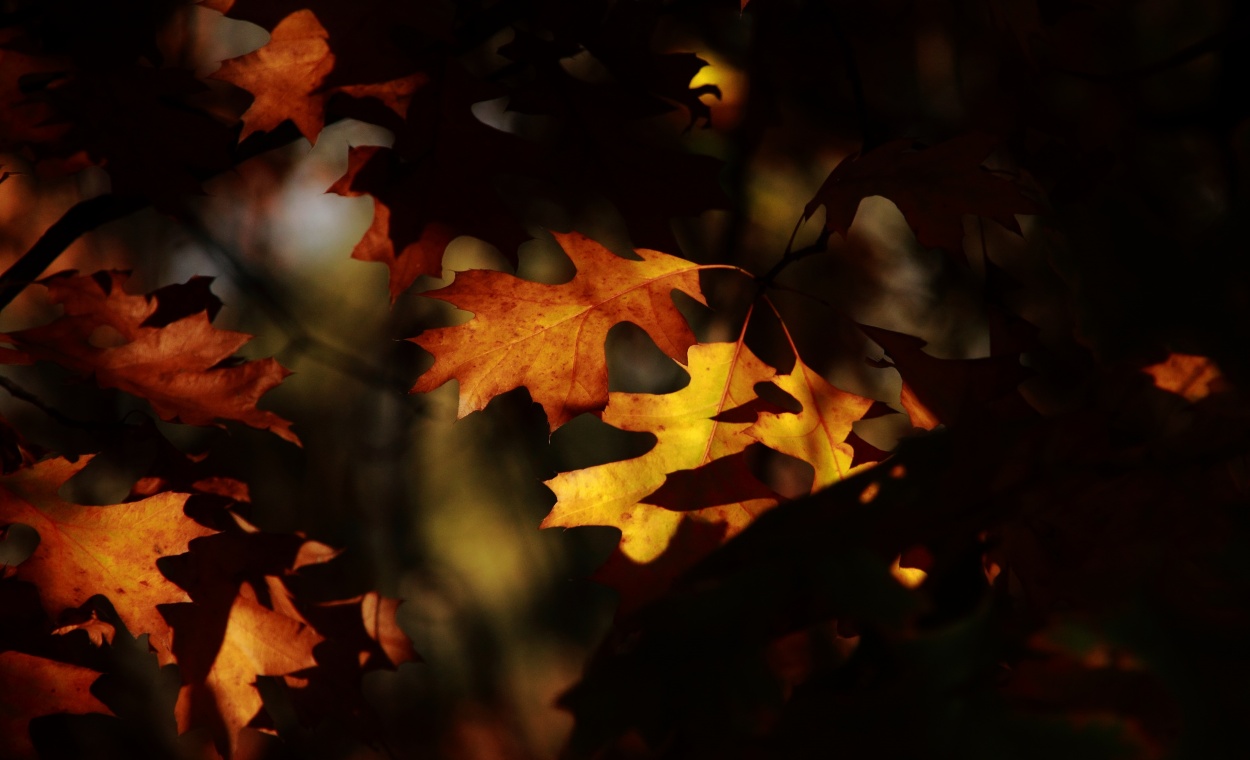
434,184
112,550
722,377
220,666
933,188
32,686
639,583
370,40
817,433
160,347
1194,377
288,77
952,391
550,338
86,87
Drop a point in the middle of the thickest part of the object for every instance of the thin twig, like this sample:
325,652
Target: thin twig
867,129
89,214
81,218
18,392
1186,55
299,338
790,256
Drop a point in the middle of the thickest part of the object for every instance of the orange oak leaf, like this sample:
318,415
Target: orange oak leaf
32,686
366,623
817,433
287,78
1193,377
919,414
161,347
550,338
84,551
220,667
361,635
933,188
377,614
722,376
371,40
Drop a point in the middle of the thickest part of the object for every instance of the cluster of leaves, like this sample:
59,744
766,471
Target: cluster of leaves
178,562
1050,567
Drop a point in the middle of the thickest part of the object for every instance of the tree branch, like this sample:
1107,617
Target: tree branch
18,392
791,256
82,218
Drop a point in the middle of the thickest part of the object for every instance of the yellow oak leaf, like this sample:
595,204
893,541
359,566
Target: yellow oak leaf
722,377
817,433
550,338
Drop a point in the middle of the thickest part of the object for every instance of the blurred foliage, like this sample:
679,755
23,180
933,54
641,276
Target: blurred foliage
1113,622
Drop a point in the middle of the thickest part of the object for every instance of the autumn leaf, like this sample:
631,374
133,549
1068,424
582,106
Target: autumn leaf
920,415
722,376
220,666
638,583
550,338
370,40
288,77
112,551
78,93
434,184
32,686
951,391
160,347
244,621
817,433
934,188
1194,377
415,216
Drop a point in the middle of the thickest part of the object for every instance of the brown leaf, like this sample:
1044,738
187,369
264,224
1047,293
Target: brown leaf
934,188
180,367
433,186
953,390
288,77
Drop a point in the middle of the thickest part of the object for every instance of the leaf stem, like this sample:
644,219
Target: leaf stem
790,256
80,219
